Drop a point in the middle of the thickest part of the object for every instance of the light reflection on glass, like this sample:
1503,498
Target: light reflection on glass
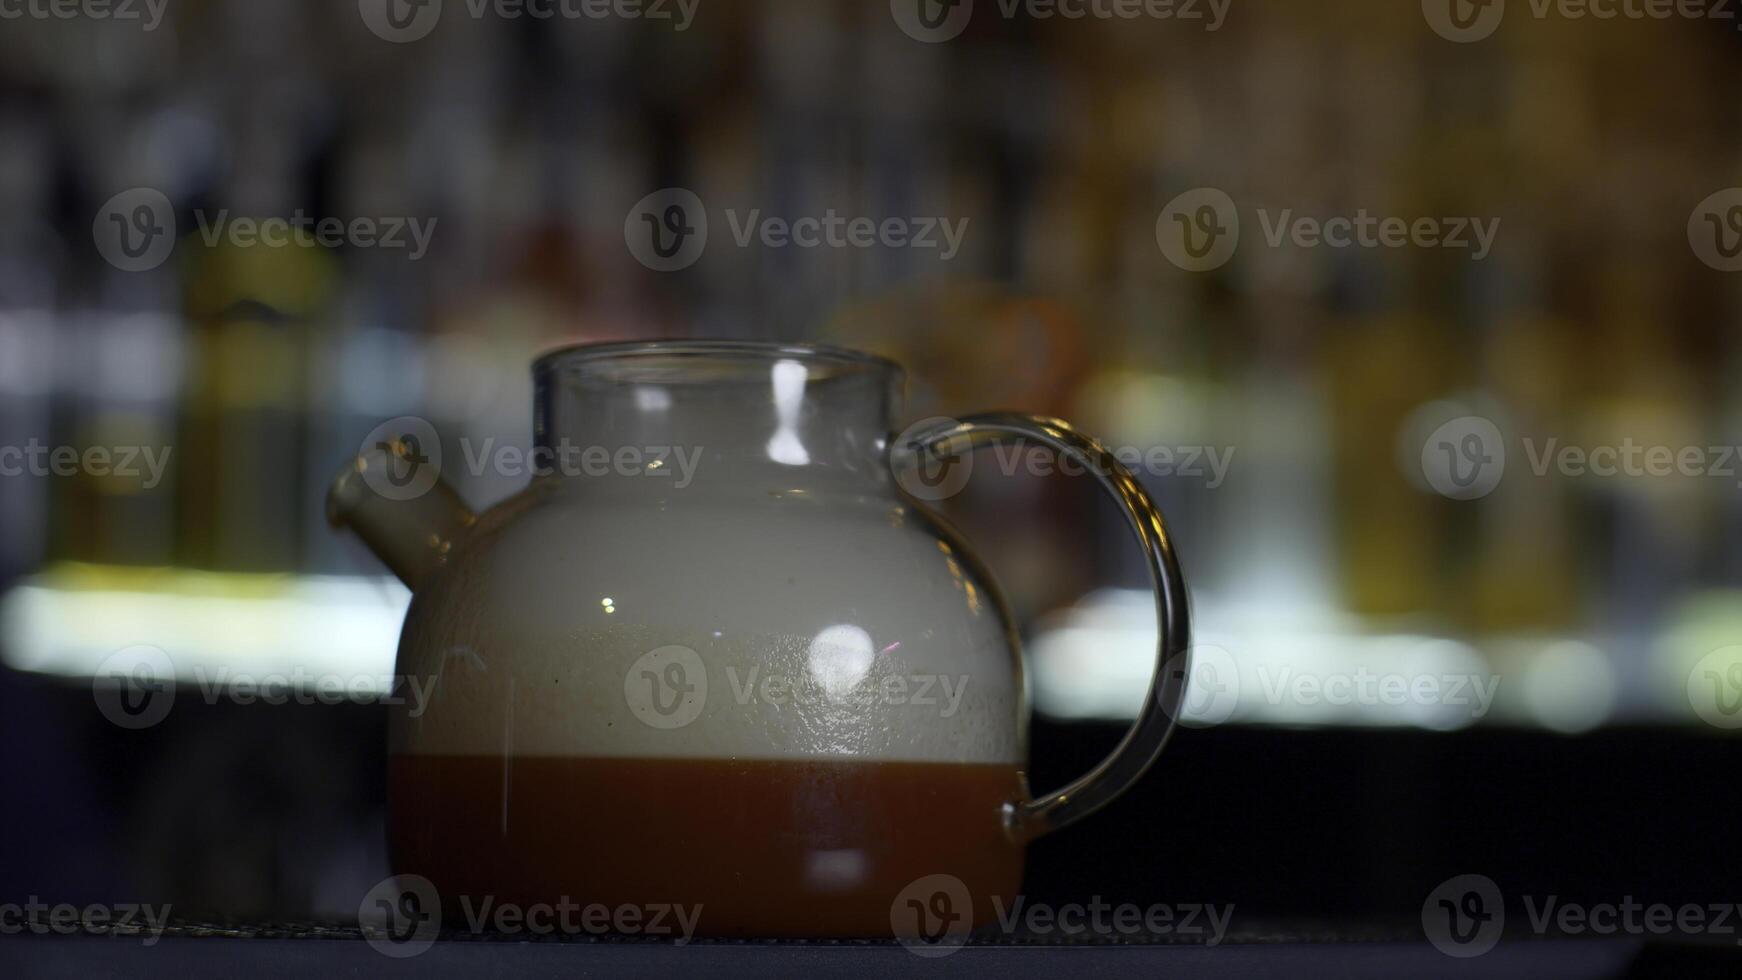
652,399
789,383
839,658
836,870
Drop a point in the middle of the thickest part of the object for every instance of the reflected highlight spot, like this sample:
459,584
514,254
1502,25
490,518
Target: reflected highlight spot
789,384
839,658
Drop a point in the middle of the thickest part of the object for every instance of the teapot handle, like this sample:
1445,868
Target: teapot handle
947,439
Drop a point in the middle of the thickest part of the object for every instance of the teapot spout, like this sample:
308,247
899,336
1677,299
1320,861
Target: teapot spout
411,529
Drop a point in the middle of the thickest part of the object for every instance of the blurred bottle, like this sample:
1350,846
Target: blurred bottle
251,311
1523,573
1727,560
1641,392
1391,539
119,507
31,274
26,388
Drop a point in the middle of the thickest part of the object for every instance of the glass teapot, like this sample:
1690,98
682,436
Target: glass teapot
720,654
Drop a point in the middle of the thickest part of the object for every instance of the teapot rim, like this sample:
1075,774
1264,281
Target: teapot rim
842,359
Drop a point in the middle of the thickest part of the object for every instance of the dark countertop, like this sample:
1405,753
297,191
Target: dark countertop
196,950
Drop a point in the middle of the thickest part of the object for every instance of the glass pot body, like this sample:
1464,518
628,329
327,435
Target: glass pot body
715,656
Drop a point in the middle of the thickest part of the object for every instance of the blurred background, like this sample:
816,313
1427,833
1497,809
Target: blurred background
1299,406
